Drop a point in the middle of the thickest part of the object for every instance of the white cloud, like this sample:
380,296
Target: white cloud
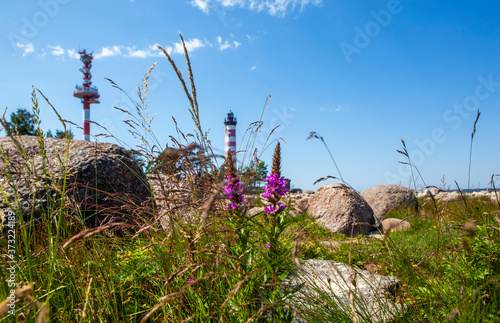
253,68
43,54
120,50
201,4
256,5
191,45
73,54
56,50
226,44
232,3
26,48
272,7
60,51
335,109
150,51
109,52
281,7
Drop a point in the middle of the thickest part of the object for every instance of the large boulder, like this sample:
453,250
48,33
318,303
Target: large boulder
386,198
100,177
333,290
302,204
341,209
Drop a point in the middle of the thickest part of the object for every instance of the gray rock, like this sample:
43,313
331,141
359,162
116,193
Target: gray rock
341,209
395,224
168,193
99,176
435,191
386,198
253,211
344,289
302,204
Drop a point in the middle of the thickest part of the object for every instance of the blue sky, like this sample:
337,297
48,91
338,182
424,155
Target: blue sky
363,74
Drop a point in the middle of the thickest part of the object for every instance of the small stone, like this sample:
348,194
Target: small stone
393,224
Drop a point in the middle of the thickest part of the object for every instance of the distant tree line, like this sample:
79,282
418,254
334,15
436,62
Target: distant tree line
22,123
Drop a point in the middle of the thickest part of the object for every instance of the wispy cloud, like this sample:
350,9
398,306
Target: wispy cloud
226,44
232,3
201,4
334,109
152,50
191,45
272,7
109,52
59,51
73,53
253,68
56,50
281,7
26,48
121,50
149,51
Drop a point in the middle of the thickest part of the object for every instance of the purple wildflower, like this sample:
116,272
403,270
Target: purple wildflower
268,245
276,186
275,189
234,192
274,208
190,280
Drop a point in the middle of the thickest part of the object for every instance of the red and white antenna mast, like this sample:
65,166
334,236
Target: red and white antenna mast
86,92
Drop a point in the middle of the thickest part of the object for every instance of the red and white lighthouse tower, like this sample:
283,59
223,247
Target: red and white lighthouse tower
230,140
86,92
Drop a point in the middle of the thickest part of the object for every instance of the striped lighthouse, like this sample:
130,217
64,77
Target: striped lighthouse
86,92
230,123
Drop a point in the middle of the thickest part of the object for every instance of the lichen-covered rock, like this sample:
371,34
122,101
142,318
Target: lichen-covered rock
341,209
386,198
97,176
